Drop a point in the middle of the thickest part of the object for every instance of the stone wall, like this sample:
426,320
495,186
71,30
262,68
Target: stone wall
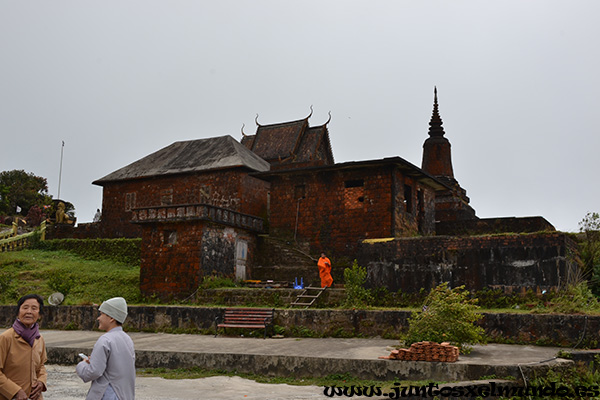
543,329
511,262
80,231
486,226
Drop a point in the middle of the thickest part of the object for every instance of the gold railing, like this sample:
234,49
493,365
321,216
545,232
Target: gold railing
12,232
18,242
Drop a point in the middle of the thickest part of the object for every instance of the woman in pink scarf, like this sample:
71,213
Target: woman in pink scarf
23,353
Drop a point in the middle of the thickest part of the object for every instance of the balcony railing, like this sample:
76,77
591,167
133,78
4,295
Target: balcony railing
190,212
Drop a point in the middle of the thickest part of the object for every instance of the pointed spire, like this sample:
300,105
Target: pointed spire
435,124
437,159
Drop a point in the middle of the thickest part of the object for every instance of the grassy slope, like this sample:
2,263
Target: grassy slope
81,281
84,281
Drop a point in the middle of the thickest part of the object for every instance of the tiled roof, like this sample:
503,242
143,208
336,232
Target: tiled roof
406,167
290,142
190,156
280,140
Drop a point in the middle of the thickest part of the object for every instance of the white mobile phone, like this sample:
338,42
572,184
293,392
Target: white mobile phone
83,356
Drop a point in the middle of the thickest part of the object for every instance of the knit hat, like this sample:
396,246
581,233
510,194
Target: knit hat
115,308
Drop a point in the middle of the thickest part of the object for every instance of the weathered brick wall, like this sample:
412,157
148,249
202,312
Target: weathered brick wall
414,211
253,196
170,259
176,256
232,189
537,261
115,217
341,207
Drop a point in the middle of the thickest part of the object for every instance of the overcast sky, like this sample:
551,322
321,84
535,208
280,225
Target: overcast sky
518,85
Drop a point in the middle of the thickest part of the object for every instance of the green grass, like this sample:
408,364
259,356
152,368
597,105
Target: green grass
84,281
330,380
81,281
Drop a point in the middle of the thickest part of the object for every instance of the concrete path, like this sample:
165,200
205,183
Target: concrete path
64,384
326,348
272,356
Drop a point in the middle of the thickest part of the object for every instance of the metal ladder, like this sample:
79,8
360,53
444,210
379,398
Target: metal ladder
305,299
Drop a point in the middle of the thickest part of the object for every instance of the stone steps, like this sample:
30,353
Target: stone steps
276,297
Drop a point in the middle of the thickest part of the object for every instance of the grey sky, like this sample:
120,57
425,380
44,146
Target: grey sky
518,87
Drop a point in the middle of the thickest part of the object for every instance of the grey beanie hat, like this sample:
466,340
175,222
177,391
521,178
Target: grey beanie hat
115,308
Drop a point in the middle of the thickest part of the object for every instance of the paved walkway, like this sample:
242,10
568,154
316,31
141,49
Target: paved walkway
293,356
326,348
64,384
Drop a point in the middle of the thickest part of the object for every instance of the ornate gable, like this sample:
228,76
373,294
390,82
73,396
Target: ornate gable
290,143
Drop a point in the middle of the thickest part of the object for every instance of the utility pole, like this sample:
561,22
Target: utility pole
60,171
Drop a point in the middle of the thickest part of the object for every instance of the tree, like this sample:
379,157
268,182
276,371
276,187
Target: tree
22,189
448,315
35,216
590,250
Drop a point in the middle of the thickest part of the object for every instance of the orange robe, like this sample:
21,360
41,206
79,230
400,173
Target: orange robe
325,272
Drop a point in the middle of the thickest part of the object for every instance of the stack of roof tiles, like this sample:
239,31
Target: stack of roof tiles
426,351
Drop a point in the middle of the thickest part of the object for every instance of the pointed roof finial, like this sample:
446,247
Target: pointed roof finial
435,124
311,112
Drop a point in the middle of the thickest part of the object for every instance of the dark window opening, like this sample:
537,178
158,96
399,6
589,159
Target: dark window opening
129,201
354,183
408,198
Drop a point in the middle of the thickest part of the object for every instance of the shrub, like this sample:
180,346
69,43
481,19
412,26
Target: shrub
448,315
60,281
357,296
580,377
589,249
215,282
575,299
35,216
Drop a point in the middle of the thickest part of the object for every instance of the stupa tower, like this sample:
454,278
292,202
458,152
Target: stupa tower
451,204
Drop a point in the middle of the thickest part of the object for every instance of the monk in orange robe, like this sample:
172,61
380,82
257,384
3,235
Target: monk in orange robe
325,271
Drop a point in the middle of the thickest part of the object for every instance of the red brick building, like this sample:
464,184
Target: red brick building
196,207
200,205
211,171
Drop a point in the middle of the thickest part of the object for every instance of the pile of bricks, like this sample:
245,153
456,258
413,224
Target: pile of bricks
426,351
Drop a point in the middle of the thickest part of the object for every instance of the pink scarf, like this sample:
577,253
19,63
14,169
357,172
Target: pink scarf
28,334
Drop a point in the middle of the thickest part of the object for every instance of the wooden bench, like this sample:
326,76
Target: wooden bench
249,318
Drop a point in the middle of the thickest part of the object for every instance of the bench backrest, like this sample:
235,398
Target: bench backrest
248,315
